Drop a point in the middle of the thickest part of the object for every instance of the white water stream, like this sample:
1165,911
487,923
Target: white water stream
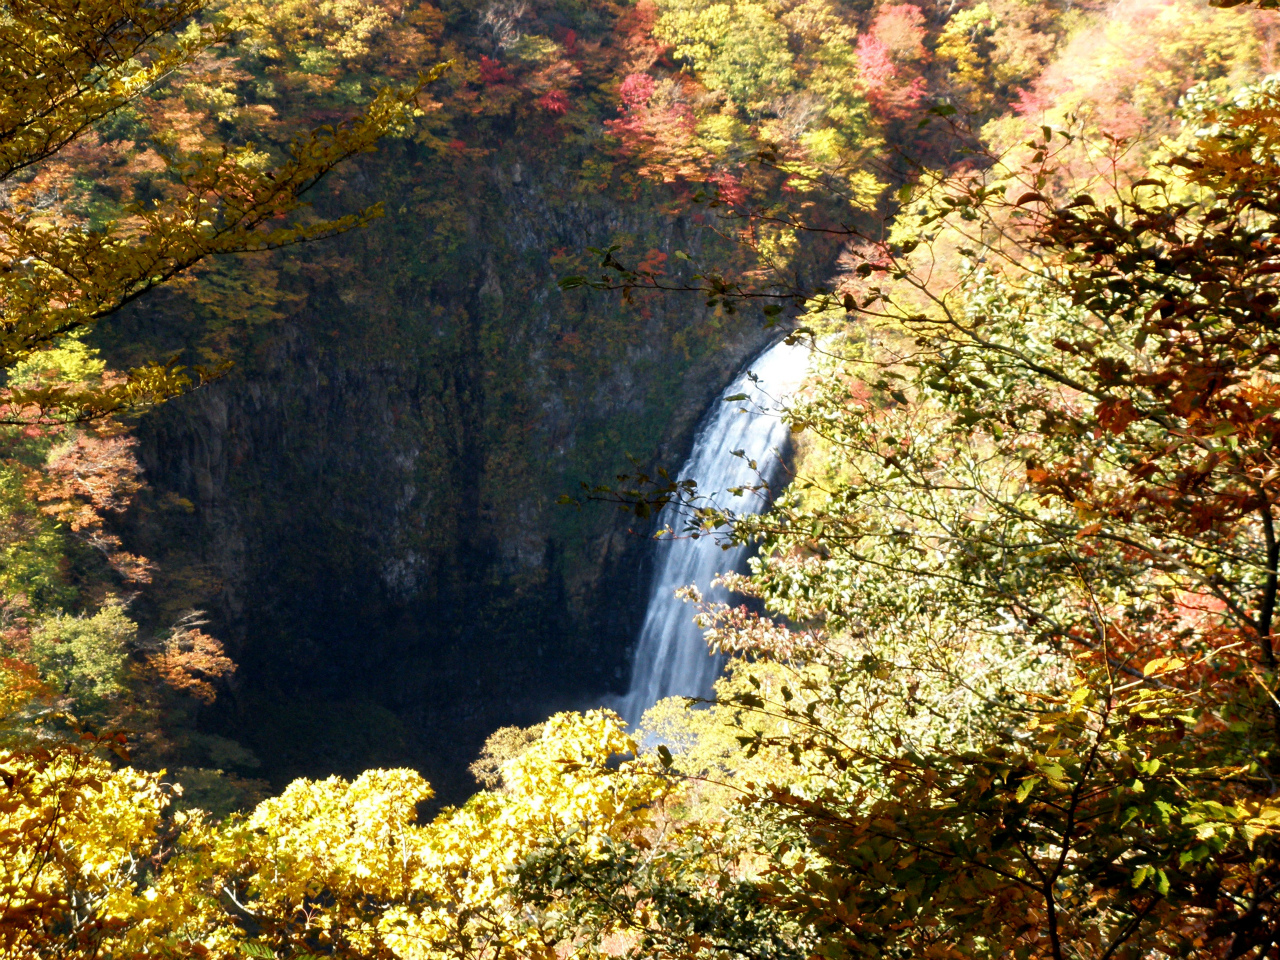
671,657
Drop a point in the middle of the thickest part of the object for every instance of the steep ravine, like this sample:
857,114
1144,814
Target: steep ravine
366,505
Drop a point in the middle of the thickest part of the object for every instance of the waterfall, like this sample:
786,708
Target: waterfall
671,657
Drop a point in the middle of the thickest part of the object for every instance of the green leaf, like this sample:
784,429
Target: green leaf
1025,788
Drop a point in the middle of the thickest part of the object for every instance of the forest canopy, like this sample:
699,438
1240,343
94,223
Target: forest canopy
1004,679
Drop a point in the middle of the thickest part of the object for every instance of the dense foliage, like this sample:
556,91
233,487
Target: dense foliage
87,228
1009,686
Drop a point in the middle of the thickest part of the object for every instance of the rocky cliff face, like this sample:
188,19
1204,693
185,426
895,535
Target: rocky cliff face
366,505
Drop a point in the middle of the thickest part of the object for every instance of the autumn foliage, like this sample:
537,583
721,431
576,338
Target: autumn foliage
1008,686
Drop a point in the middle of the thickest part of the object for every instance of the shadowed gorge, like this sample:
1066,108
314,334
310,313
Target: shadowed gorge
367,501
368,498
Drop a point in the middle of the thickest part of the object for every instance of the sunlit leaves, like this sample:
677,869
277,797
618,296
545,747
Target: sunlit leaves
94,864
58,279
1027,573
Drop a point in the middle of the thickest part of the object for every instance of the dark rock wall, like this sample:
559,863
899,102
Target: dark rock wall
366,504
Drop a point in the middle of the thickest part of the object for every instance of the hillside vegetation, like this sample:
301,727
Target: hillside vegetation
1004,679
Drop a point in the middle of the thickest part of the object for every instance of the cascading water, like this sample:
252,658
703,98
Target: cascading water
671,657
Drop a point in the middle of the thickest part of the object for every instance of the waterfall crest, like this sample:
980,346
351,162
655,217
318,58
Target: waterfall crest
671,656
